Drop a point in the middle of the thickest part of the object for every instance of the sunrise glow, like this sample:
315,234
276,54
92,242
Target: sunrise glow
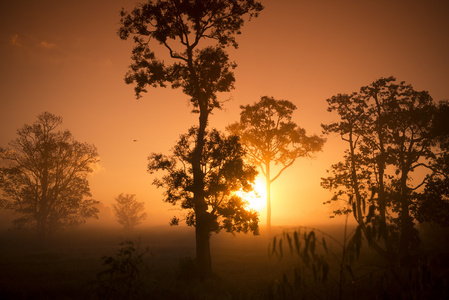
128,128
257,197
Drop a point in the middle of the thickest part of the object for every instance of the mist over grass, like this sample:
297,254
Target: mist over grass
67,265
68,262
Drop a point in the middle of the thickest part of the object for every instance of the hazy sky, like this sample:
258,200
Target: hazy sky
65,57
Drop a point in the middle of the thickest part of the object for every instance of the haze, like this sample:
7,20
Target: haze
65,57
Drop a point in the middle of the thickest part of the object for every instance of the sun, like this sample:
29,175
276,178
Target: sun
257,197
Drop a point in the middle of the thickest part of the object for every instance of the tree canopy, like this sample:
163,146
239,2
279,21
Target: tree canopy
225,173
270,136
389,129
129,211
46,180
433,202
183,27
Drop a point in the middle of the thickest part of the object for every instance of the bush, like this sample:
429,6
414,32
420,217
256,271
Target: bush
124,274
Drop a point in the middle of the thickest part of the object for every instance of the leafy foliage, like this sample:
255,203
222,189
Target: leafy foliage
433,202
46,181
129,211
269,135
224,173
389,129
123,276
181,26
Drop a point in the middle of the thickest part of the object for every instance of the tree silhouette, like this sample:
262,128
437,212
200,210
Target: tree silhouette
129,211
433,204
46,181
388,127
270,136
224,173
182,27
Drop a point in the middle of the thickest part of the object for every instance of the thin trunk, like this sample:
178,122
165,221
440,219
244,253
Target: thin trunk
43,205
343,262
405,219
382,208
268,183
358,199
381,162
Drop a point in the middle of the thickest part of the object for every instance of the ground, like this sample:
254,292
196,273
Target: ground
67,267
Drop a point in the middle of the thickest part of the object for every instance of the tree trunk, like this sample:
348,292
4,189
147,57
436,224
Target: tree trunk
202,228
202,234
382,206
40,229
42,216
406,223
202,217
268,183
405,232
359,217
381,164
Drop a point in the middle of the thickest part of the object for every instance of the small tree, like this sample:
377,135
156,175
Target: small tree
124,273
269,136
46,181
224,173
129,211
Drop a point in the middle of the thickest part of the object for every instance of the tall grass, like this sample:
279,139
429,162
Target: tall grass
305,265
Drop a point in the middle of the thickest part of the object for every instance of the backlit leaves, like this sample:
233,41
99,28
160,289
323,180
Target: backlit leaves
180,27
224,173
269,134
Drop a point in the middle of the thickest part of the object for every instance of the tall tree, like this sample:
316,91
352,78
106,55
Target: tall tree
225,173
129,211
46,180
388,129
270,136
183,28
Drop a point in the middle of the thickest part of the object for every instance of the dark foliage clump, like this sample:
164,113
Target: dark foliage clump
124,275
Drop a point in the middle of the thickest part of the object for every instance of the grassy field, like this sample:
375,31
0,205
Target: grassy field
67,267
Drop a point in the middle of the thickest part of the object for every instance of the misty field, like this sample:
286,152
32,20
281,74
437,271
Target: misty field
68,267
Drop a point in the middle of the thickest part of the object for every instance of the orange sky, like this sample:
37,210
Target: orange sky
65,57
